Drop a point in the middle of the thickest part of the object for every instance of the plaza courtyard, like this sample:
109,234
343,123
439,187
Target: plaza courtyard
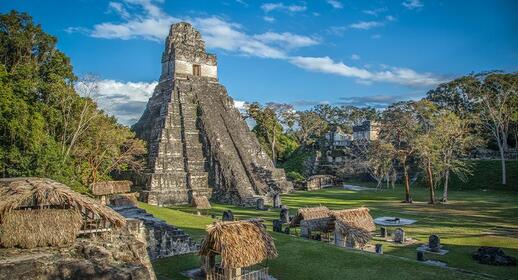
472,218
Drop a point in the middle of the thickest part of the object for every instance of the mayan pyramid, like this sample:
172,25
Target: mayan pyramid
198,143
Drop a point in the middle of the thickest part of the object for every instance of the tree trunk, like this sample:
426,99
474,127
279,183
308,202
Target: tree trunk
502,159
445,191
273,149
408,199
430,183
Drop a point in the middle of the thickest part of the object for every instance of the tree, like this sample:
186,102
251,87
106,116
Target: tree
310,127
106,147
491,96
425,145
47,129
375,157
453,140
268,126
400,127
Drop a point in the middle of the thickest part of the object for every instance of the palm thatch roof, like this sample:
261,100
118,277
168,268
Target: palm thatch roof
354,224
40,228
309,213
42,193
201,202
360,236
357,217
240,243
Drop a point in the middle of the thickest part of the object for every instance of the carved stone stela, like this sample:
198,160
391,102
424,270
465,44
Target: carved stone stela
198,143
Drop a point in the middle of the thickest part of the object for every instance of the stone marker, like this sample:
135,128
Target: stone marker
420,256
399,235
277,226
434,243
259,204
277,200
228,216
285,215
383,232
379,249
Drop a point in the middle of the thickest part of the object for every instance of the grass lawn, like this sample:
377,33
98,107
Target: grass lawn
471,219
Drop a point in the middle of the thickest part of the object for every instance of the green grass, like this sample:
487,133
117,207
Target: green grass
487,174
471,219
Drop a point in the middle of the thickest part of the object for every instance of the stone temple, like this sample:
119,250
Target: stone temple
198,143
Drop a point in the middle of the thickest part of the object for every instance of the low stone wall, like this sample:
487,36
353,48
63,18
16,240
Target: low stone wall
163,240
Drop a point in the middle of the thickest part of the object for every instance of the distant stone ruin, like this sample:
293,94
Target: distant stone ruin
198,143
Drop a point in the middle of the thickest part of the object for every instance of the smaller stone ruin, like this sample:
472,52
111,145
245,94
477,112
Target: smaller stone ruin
163,240
318,182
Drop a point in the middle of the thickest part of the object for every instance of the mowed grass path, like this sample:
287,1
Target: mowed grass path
471,219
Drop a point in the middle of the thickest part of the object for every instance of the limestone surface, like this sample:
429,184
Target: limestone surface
198,143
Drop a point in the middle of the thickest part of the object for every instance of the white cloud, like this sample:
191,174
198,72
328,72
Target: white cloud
335,3
240,105
412,4
365,25
403,76
147,21
390,18
125,100
355,57
268,7
286,39
375,12
268,19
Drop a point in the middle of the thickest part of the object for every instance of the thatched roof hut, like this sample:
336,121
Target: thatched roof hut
357,217
310,213
354,226
41,212
240,244
201,202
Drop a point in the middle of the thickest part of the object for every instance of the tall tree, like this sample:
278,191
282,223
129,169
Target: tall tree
310,127
452,138
492,96
45,125
400,127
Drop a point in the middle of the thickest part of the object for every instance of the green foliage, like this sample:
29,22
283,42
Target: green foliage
486,176
295,163
295,176
46,128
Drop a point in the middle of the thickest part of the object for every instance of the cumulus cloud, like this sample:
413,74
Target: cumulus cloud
335,4
403,76
365,25
375,12
412,4
144,19
286,39
269,7
125,100
268,18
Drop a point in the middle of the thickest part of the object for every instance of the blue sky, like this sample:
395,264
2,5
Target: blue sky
299,52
